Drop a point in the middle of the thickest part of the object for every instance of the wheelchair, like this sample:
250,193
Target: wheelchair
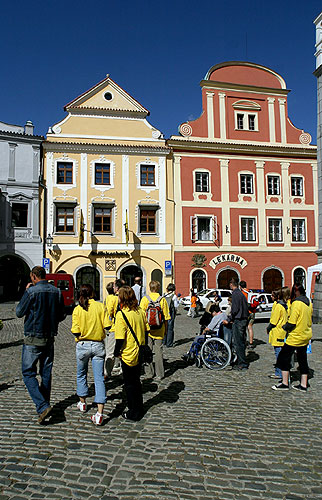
210,350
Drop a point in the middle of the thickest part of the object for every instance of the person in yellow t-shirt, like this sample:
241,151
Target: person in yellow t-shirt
112,365
275,330
298,334
156,335
127,349
88,323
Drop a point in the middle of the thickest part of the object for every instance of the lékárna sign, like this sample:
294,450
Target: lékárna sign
228,257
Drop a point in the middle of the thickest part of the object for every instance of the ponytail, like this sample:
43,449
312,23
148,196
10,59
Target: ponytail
86,293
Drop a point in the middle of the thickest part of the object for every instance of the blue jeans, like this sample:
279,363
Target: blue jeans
31,355
168,338
86,350
228,333
278,371
239,341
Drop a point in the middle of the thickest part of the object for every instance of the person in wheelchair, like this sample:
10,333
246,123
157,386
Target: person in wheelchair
214,328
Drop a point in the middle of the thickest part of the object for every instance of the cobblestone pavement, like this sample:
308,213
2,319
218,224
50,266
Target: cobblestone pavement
205,435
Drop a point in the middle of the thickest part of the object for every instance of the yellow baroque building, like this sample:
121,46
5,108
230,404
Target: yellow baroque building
107,170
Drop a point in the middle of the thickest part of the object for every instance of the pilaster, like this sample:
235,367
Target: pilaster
282,103
286,204
210,115
271,119
83,194
12,161
125,193
222,114
260,182
162,194
178,205
226,229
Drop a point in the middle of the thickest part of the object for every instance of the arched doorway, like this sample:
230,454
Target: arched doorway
198,280
129,273
89,275
14,276
157,275
272,279
225,276
299,276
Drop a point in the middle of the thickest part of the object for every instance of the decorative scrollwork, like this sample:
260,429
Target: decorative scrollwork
185,129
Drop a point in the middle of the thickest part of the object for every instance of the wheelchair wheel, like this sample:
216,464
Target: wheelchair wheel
215,353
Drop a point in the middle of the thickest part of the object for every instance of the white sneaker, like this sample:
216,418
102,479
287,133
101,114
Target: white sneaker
82,406
97,419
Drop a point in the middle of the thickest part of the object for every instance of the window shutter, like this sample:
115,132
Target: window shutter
215,231
193,228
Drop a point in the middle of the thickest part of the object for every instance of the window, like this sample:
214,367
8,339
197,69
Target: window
203,228
202,182
299,276
240,121
65,219
102,173
248,229
19,217
273,185
246,184
298,230
148,220
297,186
64,172
275,230
147,175
102,220
251,122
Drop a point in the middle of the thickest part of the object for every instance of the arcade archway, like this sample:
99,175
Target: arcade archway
14,276
225,276
129,273
272,279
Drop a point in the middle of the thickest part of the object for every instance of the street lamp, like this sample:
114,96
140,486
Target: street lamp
49,241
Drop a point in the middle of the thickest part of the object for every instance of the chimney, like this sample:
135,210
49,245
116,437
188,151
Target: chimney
29,128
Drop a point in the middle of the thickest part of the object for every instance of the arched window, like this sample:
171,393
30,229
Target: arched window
225,276
198,280
157,275
299,276
272,279
90,275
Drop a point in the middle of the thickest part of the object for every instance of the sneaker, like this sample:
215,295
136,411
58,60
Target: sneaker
280,387
299,387
97,419
117,371
275,376
42,416
82,406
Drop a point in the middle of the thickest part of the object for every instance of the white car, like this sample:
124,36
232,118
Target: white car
208,294
264,308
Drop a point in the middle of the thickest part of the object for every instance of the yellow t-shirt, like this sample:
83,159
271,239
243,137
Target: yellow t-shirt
279,318
91,323
111,303
301,316
159,333
137,320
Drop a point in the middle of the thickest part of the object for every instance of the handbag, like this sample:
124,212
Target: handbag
145,352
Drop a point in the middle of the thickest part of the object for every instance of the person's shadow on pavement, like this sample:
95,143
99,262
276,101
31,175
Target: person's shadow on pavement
58,412
168,395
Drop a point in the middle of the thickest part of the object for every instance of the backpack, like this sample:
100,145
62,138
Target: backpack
154,314
169,298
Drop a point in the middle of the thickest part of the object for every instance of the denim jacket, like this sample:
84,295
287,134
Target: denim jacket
43,308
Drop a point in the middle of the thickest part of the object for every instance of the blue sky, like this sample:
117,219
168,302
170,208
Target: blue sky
53,51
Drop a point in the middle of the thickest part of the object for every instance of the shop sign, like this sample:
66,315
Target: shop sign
110,254
228,257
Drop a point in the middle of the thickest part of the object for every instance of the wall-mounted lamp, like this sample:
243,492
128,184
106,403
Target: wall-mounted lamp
49,242
227,229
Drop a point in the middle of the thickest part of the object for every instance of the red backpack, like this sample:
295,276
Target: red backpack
154,314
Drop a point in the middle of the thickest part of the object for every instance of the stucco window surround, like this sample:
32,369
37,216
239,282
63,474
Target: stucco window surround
246,115
149,163
103,205
298,229
247,226
203,228
273,182
245,181
143,207
105,161
274,228
71,206
65,159
201,195
293,274
198,269
300,198
107,95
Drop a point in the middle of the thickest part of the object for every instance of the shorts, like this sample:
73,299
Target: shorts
251,318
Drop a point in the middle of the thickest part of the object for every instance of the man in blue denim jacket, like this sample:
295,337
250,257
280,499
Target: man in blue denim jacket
42,305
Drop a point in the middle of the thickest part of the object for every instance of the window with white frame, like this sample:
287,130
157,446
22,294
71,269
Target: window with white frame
202,182
248,228
102,174
19,215
273,185
203,228
246,121
64,172
102,219
297,186
65,218
240,121
275,230
147,175
148,220
246,184
298,230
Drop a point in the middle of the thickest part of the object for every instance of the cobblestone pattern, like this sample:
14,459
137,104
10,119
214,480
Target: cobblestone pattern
206,435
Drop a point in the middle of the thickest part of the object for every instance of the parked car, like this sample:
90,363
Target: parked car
208,294
264,308
65,283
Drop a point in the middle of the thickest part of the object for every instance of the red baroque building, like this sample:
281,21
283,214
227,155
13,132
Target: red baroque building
245,185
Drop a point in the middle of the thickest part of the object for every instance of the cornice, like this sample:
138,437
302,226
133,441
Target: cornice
237,86
107,112
318,71
21,137
77,147
309,152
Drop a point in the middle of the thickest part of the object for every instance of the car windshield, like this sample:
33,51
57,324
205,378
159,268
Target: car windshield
225,293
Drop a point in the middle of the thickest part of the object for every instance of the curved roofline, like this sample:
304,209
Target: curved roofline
245,63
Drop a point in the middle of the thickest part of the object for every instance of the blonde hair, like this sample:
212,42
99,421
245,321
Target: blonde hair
154,286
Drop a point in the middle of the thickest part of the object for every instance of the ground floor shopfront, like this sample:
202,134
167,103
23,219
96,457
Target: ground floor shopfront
260,270
99,267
